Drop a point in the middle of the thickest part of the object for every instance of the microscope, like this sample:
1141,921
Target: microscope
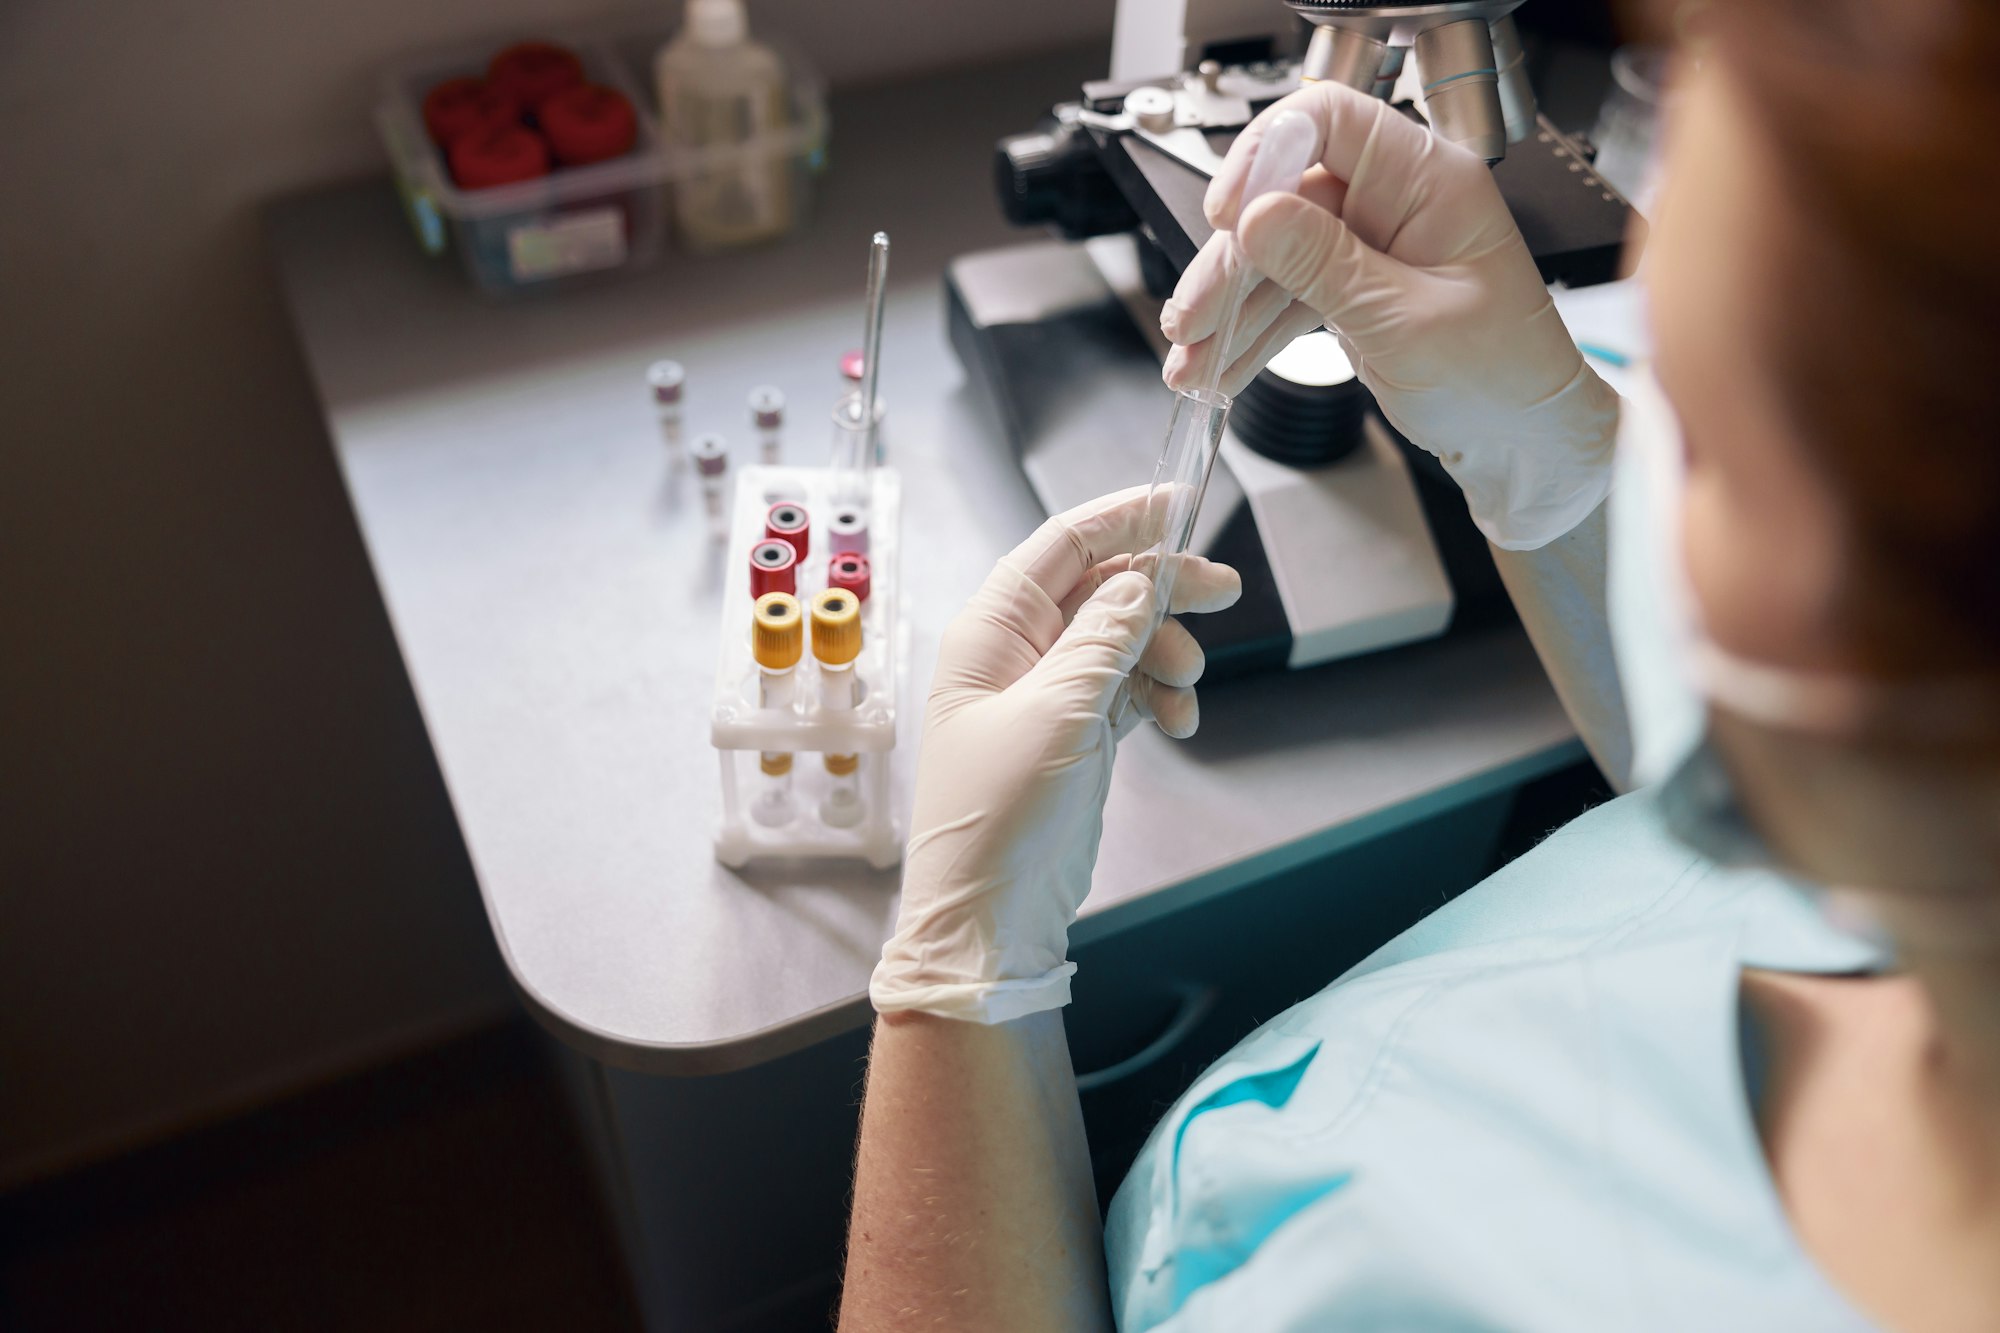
1349,539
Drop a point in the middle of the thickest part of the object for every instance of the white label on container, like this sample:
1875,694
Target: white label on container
580,242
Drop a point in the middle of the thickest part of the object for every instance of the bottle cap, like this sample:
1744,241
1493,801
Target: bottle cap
767,407
847,530
774,567
836,618
852,366
717,22
840,765
669,381
789,522
776,763
849,570
777,633
711,455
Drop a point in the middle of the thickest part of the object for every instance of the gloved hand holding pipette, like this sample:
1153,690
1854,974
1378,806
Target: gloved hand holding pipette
1016,760
1401,244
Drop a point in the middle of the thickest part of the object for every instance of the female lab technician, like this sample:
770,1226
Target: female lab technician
1623,1084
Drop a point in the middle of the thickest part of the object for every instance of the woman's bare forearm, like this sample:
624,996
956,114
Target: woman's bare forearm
973,1202
1559,592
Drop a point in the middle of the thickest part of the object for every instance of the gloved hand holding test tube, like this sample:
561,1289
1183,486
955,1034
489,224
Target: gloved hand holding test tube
1194,431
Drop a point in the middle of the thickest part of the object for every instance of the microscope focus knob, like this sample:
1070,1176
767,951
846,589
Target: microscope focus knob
1151,109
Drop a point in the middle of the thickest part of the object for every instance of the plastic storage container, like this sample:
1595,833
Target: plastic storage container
576,223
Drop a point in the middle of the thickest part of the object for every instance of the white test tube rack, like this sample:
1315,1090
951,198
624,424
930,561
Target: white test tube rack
741,727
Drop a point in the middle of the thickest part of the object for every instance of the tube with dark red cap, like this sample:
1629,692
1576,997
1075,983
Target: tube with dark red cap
789,522
774,567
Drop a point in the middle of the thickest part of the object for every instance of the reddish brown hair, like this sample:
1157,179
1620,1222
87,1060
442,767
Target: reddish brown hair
1886,118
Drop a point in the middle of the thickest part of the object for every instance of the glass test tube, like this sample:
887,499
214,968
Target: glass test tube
776,642
1194,430
836,642
767,414
1194,437
854,451
857,417
851,377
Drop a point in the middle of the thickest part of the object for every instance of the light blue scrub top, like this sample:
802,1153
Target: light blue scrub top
1526,1112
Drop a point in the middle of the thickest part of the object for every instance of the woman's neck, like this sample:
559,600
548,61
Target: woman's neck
1883,1143
1961,1055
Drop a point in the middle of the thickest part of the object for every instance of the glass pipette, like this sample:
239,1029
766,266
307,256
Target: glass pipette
1194,431
857,417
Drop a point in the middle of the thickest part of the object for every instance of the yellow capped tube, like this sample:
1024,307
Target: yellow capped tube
836,631
836,642
777,642
777,632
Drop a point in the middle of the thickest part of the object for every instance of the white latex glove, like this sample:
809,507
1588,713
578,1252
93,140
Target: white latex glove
1016,760
1401,244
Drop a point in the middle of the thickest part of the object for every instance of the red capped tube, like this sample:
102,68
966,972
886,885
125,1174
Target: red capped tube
849,570
774,567
789,522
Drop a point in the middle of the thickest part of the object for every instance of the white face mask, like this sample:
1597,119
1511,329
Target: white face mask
1670,671
1651,607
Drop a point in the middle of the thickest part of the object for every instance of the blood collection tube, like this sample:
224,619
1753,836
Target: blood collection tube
774,567
836,642
669,382
847,530
787,521
777,636
849,570
767,414
711,460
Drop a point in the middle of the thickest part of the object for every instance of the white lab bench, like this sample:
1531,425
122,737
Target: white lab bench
553,591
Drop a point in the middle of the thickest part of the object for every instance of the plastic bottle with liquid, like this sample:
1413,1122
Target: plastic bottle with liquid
719,90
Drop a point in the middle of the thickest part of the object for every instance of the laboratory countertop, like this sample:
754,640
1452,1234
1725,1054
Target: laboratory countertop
554,593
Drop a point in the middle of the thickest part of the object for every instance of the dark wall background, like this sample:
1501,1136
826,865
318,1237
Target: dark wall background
227,864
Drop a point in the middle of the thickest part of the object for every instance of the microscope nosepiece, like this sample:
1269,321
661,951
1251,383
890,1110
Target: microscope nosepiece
1469,98
1462,86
